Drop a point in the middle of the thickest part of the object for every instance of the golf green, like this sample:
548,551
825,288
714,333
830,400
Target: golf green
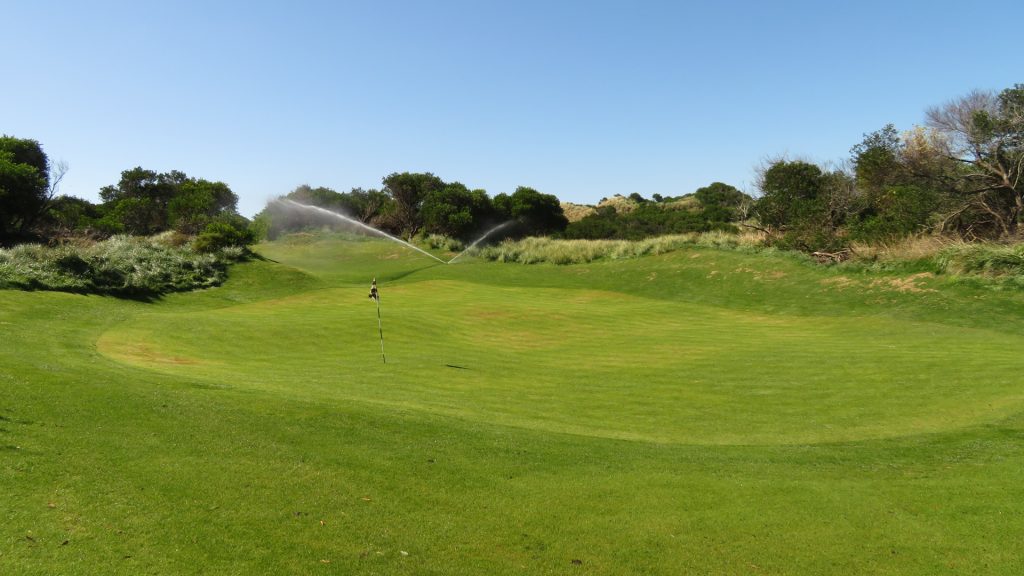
700,411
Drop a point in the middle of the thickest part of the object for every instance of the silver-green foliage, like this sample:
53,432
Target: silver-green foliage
122,265
440,241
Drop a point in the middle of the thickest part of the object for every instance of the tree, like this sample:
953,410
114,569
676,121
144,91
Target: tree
24,185
67,214
789,193
977,155
537,213
367,205
455,210
197,203
408,191
725,197
145,202
877,159
891,201
804,205
139,202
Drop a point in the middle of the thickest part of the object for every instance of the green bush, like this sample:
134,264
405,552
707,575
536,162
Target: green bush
121,265
648,220
894,212
219,235
442,242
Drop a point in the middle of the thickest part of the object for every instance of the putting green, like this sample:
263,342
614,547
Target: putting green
592,362
697,412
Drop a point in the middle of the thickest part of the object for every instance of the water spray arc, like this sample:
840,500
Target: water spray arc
480,239
362,225
372,230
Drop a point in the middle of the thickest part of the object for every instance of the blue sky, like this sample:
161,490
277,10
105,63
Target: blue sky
578,99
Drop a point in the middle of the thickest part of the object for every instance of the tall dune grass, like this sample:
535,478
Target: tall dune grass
1002,262
535,250
121,265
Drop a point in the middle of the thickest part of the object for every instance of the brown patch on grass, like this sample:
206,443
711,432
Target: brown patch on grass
840,282
490,314
141,353
759,275
904,285
392,256
652,276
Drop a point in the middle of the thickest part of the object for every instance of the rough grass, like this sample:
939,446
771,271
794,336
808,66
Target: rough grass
121,265
700,411
535,250
992,264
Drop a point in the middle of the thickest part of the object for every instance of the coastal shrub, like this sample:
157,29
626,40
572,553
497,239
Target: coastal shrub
219,235
442,242
120,265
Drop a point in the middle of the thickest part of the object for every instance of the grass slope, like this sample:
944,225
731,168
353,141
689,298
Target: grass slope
701,411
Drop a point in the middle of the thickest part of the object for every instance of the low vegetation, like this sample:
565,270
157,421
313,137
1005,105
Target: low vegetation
535,250
130,266
961,175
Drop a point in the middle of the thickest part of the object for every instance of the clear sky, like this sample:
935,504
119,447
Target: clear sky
581,99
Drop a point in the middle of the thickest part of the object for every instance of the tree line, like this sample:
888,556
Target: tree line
958,174
411,203
143,202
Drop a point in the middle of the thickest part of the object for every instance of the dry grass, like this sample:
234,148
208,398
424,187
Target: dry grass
577,212
910,248
542,249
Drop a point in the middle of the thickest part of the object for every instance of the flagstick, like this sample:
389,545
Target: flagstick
380,328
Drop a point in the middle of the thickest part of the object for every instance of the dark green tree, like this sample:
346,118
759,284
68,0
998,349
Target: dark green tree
145,202
408,190
455,210
24,186
138,203
728,200
790,193
537,213
68,214
197,203
891,201
877,160
803,206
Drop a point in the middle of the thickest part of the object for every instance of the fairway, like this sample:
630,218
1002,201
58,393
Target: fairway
701,411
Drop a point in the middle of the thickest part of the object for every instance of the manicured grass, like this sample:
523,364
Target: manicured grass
700,411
